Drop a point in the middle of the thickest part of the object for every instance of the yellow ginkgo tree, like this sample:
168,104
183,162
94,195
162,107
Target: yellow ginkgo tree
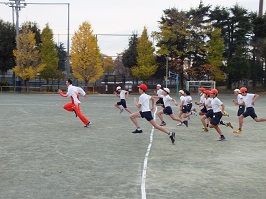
86,59
27,55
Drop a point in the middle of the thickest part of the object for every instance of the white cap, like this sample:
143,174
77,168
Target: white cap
167,90
118,88
159,85
182,92
236,90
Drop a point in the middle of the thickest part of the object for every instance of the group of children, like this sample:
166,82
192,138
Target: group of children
211,112
212,109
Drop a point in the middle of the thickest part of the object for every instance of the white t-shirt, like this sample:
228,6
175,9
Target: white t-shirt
188,99
167,100
144,101
202,98
207,103
122,94
80,90
182,98
248,99
240,98
159,92
72,91
216,105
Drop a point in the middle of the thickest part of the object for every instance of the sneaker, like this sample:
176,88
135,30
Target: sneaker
226,114
205,129
180,124
229,125
137,131
163,124
221,138
121,110
186,123
238,131
87,125
172,137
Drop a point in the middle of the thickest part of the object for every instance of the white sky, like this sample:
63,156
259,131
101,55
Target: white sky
108,17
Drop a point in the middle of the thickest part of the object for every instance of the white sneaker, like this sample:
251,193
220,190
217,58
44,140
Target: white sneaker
180,124
121,110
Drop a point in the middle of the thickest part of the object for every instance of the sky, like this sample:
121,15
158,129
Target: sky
115,17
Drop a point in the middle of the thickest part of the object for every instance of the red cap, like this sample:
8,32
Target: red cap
202,89
208,92
143,87
215,91
243,89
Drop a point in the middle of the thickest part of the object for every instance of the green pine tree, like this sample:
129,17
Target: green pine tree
146,64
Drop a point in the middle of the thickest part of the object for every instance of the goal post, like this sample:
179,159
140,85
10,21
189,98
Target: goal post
174,77
193,86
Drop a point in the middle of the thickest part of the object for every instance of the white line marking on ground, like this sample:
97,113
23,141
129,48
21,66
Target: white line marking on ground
145,164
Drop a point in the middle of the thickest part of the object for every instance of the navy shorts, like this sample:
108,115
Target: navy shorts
123,103
160,101
184,109
216,118
147,115
209,114
249,112
168,110
241,110
189,106
204,110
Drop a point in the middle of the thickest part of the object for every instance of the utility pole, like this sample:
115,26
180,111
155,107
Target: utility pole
261,8
17,5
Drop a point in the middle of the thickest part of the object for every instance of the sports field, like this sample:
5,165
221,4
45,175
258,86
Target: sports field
46,153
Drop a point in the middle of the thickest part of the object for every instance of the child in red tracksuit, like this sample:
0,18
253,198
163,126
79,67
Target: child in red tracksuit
74,105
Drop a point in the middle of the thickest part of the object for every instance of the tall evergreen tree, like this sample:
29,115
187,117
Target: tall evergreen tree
7,45
49,53
129,57
146,65
236,30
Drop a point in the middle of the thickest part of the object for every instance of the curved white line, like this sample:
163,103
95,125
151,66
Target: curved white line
145,164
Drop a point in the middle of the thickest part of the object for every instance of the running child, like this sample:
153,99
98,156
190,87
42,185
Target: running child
145,112
203,111
159,92
167,104
182,109
249,100
74,105
240,103
218,112
209,114
123,95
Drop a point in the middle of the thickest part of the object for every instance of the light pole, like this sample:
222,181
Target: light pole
260,8
17,5
166,72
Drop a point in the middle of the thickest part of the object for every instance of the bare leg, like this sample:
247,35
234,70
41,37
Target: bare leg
159,127
217,129
203,118
128,110
175,118
240,121
257,119
117,106
160,115
134,117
